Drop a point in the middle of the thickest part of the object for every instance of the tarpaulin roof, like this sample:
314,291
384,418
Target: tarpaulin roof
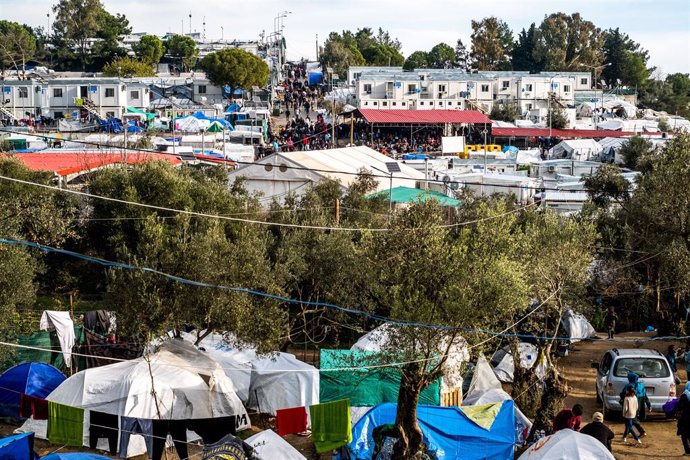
19,446
571,133
410,195
141,112
448,432
67,163
74,456
422,116
367,387
33,379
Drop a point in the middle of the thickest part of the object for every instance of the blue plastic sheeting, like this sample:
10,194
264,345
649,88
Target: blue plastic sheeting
510,148
448,433
415,156
74,456
315,78
19,446
33,379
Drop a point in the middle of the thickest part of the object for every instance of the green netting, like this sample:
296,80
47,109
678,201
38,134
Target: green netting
47,340
364,387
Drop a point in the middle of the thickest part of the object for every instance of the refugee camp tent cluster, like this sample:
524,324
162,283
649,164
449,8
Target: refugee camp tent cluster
198,122
172,391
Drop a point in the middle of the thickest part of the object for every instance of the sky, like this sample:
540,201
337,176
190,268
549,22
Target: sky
660,26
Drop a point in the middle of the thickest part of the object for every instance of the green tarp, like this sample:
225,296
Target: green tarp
141,112
364,387
215,128
46,340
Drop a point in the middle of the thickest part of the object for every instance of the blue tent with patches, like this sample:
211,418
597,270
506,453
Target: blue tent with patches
33,379
468,433
19,446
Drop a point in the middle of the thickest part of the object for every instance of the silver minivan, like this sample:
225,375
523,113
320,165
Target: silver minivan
652,367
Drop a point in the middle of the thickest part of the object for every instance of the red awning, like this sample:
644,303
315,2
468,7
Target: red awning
66,163
562,133
423,117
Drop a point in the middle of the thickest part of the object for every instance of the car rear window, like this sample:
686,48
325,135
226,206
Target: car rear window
644,367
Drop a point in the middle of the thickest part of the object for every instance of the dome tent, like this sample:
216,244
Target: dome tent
567,445
33,379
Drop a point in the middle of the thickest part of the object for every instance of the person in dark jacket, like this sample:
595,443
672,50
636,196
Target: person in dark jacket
683,412
598,430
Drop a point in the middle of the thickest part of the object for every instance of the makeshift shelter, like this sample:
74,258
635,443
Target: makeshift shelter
148,115
567,445
187,385
458,353
365,387
18,446
576,326
282,381
504,366
284,172
63,325
576,149
267,445
31,379
485,388
449,432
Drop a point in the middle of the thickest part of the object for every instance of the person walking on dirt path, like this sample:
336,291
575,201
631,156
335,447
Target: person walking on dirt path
643,404
629,414
610,321
598,430
683,413
686,357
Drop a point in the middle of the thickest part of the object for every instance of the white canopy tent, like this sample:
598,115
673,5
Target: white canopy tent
576,149
567,445
282,381
187,385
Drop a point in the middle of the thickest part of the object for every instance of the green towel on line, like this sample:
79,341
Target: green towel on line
330,425
65,425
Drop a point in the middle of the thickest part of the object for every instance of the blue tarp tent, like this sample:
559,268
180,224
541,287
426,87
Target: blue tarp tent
73,456
19,446
33,379
448,432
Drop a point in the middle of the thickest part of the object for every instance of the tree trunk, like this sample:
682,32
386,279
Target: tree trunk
526,388
555,391
409,434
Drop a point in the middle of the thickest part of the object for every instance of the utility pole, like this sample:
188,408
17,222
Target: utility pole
190,23
317,47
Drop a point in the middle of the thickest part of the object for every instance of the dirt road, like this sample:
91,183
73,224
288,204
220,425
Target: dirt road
661,441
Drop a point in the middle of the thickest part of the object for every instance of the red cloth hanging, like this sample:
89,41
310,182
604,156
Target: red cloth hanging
33,406
291,421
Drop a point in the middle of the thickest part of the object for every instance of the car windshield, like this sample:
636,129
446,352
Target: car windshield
644,367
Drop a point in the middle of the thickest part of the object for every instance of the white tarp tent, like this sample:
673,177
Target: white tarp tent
187,385
576,149
279,174
64,328
282,381
576,326
504,365
267,445
458,353
567,445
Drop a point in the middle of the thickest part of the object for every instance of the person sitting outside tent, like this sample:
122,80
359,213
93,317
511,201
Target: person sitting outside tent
568,418
598,430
